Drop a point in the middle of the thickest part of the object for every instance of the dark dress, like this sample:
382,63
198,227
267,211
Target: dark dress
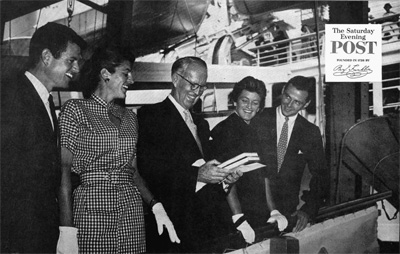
232,137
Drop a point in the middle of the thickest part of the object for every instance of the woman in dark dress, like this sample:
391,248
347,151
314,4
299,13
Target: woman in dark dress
235,135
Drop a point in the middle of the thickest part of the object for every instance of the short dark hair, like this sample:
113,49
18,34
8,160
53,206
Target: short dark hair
109,58
387,5
54,37
182,63
304,84
250,84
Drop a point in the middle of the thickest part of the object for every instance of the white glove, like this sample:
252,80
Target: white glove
67,241
276,216
163,219
246,230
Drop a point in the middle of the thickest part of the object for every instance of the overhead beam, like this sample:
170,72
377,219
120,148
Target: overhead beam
161,72
14,9
95,6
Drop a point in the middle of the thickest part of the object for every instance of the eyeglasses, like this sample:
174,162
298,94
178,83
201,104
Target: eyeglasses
193,86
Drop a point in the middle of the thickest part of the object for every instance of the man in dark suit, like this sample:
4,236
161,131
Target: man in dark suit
290,143
30,166
171,139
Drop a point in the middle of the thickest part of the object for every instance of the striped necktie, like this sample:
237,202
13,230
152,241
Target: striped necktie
283,143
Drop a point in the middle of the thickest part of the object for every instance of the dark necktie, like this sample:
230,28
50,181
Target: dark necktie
283,142
53,112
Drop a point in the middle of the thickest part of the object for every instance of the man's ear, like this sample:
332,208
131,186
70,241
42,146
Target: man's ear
306,105
105,74
46,56
174,79
283,89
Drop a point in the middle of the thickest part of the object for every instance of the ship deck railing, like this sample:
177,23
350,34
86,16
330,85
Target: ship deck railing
304,47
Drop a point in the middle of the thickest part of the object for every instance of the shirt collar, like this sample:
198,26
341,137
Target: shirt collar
112,107
100,101
178,106
39,87
281,117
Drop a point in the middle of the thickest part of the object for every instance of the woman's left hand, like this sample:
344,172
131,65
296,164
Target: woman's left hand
162,220
234,176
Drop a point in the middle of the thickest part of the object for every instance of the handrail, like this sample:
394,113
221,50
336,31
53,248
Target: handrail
299,48
353,206
381,19
286,40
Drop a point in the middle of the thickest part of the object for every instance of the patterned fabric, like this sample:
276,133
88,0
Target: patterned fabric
282,144
108,208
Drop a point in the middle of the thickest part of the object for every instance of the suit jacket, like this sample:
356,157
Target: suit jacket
30,171
166,152
304,148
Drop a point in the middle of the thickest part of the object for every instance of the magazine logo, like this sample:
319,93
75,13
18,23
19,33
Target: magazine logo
349,47
353,53
352,71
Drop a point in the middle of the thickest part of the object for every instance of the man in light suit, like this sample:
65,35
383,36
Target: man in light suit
30,165
302,147
168,145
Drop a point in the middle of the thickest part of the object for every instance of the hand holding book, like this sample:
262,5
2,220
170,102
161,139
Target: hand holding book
244,162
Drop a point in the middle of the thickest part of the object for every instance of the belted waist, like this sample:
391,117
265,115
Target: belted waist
114,177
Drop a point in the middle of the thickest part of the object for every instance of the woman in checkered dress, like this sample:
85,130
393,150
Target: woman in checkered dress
98,142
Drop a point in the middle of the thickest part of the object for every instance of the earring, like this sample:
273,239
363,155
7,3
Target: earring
106,80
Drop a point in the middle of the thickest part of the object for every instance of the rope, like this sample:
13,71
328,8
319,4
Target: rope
70,10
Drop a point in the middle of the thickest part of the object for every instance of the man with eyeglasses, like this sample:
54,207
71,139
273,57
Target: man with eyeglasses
290,143
171,139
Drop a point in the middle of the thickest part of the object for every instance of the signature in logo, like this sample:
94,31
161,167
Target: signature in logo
352,71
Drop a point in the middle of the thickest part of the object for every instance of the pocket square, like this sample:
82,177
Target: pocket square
300,152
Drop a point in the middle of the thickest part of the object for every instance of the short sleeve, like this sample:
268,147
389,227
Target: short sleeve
68,122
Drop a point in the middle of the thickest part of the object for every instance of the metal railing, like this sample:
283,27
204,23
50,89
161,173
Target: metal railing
305,47
382,102
288,51
390,27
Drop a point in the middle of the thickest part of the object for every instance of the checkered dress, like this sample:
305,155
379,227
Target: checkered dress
108,208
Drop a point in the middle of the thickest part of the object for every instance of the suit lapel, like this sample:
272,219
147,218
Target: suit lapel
35,105
181,128
294,145
273,129
295,137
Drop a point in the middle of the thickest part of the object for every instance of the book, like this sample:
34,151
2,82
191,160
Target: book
251,167
237,158
242,162
246,161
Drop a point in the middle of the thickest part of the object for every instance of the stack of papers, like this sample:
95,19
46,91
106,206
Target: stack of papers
246,161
